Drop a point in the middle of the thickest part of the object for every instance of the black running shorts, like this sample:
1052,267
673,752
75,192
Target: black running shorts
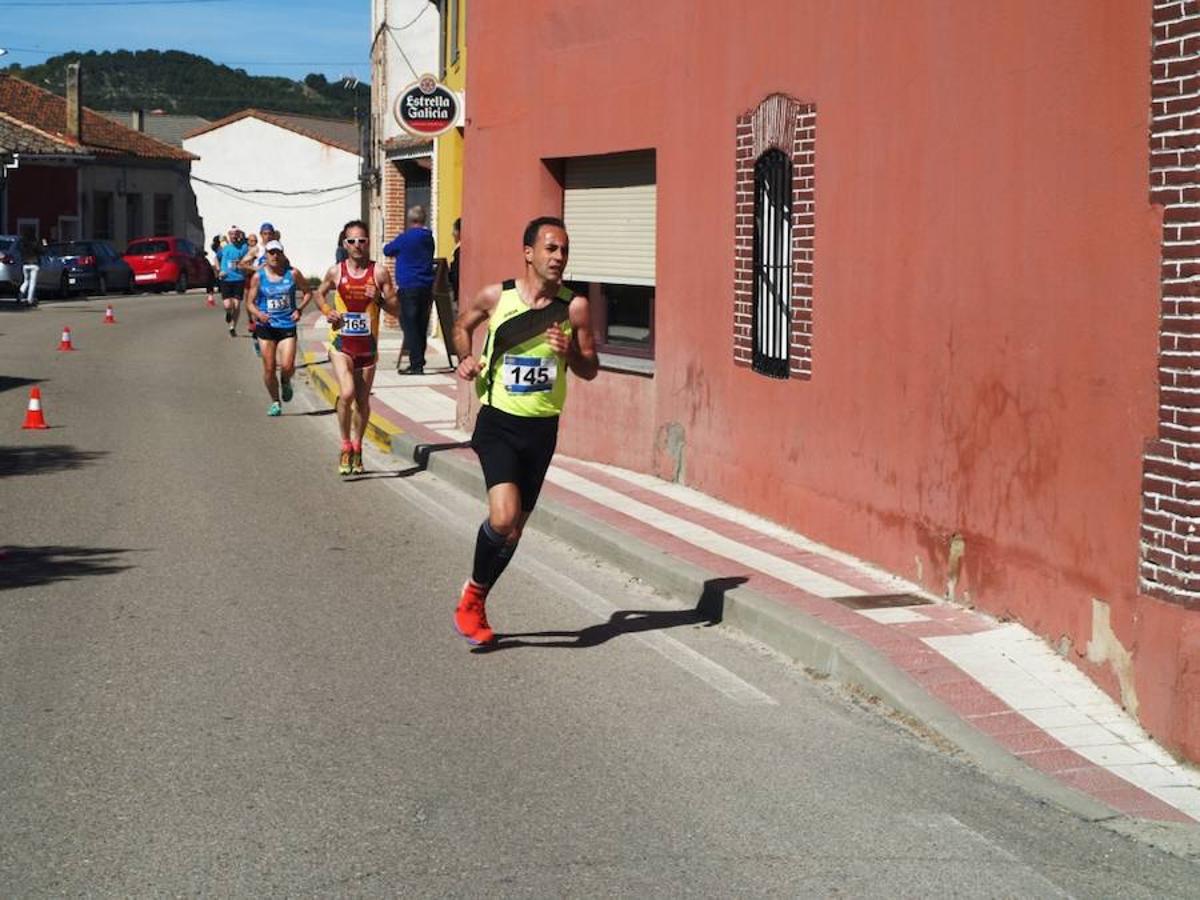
232,290
515,450
269,333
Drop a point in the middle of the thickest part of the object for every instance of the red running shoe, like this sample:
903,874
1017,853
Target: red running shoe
470,619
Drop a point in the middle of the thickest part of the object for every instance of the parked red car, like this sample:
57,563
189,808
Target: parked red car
166,262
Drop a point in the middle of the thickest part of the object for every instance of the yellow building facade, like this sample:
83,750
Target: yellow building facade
450,149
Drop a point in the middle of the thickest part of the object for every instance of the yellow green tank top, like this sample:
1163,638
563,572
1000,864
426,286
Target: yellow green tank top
520,374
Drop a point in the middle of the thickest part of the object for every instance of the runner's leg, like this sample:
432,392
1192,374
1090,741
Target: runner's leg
270,379
286,353
363,379
343,374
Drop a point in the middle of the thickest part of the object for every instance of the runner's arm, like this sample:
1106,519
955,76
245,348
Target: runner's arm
252,300
580,348
472,314
246,263
328,283
387,298
306,294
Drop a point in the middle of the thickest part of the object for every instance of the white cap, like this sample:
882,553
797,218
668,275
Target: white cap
274,245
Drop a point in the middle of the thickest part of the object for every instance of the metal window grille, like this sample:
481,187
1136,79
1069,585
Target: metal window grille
772,263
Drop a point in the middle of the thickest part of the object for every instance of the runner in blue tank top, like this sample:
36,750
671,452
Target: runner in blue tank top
271,302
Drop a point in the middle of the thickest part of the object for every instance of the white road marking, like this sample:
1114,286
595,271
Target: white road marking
799,576
947,825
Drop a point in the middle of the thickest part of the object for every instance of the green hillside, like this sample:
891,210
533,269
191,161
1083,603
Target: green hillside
183,83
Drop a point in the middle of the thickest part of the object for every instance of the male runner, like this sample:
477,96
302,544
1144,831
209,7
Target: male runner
232,279
253,261
271,302
361,288
537,329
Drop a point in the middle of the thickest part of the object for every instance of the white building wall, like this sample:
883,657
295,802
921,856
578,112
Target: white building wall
253,154
414,27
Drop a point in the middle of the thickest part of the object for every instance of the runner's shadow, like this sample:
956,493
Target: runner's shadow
390,473
709,611
316,412
41,460
8,382
31,566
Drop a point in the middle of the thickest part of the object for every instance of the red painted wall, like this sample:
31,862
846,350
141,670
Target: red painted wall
985,303
41,192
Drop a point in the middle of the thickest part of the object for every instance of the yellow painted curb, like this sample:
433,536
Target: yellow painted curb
379,430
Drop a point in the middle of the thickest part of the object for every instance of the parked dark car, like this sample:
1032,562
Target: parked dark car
166,262
93,267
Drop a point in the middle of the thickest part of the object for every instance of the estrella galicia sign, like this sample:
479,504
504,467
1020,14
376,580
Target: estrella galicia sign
426,108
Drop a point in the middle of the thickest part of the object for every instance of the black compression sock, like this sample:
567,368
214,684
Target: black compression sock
503,556
488,545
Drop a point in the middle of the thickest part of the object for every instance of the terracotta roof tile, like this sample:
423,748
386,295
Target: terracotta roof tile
47,112
17,137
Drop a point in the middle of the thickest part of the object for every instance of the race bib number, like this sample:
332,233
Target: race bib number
278,304
355,324
529,374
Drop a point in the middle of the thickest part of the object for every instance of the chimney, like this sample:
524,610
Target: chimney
74,109
137,120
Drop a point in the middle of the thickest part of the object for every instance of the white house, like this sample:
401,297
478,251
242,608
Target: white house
405,37
300,173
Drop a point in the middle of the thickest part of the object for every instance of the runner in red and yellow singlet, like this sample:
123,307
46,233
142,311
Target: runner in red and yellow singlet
360,288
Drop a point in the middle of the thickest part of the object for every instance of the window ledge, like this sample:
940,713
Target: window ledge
634,365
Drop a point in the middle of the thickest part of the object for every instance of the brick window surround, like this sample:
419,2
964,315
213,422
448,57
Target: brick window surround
1169,566
785,124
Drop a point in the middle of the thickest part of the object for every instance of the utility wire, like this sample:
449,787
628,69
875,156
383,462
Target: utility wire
307,192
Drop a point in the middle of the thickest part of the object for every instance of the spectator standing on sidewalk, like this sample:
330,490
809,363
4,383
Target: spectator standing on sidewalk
454,264
31,258
413,252
538,329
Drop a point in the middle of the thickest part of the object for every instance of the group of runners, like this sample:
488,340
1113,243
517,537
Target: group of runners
538,329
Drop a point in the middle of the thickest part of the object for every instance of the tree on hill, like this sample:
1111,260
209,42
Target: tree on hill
183,83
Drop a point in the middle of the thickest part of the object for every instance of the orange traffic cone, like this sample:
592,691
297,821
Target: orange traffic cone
109,318
33,415
65,342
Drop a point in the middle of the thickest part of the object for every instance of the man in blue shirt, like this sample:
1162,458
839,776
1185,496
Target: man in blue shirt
233,282
413,252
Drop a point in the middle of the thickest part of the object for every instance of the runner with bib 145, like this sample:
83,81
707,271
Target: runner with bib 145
537,330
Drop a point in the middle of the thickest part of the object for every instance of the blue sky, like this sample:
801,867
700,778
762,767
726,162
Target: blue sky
265,37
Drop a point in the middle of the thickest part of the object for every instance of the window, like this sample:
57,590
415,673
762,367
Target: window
134,226
102,215
773,238
610,207
164,214
772,263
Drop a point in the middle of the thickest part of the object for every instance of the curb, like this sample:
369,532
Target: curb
819,648
380,431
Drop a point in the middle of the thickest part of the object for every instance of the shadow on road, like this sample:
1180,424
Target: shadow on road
45,459
8,382
31,566
390,473
709,610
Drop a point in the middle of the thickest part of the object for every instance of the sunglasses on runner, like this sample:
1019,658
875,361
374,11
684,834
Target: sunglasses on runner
356,240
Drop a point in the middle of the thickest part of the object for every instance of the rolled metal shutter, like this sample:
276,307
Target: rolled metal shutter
610,209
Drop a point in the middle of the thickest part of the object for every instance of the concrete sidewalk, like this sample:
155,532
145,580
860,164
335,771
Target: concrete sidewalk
995,690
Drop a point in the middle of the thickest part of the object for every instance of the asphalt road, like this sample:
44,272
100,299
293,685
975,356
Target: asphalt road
225,671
